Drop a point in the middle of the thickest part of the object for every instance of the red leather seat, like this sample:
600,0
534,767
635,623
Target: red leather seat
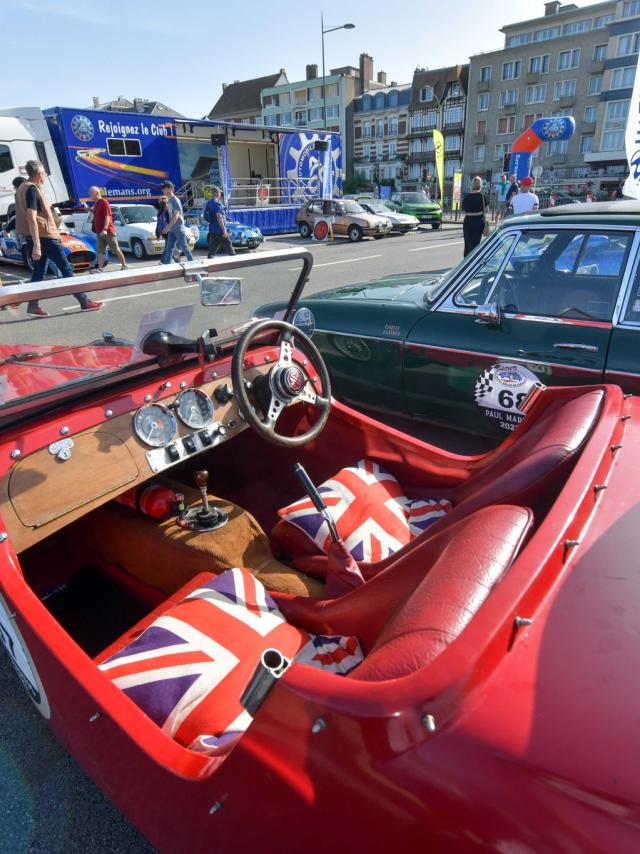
408,614
527,470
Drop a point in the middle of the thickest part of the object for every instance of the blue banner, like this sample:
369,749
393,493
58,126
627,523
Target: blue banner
309,172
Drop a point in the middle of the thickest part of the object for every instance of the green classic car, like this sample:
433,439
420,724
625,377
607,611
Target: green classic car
552,297
417,204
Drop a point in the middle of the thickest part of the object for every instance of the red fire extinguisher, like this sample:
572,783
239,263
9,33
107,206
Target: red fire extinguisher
152,499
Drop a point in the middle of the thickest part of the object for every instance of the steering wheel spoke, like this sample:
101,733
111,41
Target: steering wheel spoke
285,359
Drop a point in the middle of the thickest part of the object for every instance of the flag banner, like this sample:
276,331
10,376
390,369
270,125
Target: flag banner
438,141
632,142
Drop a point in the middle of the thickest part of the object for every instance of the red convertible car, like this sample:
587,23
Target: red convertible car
261,620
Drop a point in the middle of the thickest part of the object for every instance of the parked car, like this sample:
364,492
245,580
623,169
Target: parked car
79,251
417,204
349,219
551,297
241,236
459,672
135,227
400,222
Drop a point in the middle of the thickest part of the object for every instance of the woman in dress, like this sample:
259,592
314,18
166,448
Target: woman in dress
474,205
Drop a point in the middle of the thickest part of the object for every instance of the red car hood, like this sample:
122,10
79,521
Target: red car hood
26,370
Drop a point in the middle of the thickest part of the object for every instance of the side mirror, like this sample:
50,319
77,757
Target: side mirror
220,291
487,315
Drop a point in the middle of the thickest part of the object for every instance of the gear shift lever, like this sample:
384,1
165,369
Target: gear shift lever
204,517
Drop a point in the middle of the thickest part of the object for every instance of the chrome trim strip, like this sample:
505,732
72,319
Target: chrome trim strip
614,372
568,345
357,335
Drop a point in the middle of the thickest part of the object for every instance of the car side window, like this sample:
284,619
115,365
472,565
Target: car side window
632,312
564,274
477,289
314,208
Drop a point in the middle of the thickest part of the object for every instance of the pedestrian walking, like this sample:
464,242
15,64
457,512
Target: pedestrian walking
105,230
474,205
501,199
177,233
162,218
512,190
525,200
36,222
216,215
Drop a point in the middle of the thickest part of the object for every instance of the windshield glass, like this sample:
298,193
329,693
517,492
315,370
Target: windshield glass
138,213
416,198
377,207
352,207
71,349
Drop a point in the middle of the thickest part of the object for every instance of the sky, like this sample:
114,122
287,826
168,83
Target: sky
181,51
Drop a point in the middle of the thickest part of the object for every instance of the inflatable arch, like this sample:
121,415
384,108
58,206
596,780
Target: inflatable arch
542,130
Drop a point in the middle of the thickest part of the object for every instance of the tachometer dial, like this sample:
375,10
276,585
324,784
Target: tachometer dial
194,408
155,425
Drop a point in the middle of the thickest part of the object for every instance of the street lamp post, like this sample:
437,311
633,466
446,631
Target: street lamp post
324,83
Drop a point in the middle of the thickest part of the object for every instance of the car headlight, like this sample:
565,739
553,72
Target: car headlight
244,240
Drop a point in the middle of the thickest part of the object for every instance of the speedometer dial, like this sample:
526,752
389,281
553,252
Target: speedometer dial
194,408
155,425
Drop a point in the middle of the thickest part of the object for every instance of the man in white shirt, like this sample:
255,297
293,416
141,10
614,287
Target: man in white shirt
525,200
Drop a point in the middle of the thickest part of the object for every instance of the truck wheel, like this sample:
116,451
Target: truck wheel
304,229
27,260
137,247
435,225
355,233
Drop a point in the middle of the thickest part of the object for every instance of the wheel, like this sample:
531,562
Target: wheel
355,233
26,258
435,225
137,247
304,229
286,384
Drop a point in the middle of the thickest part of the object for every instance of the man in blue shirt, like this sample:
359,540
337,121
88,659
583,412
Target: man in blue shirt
215,214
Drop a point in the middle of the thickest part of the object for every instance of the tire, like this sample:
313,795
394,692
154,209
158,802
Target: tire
355,233
304,229
137,249
435,225
26,258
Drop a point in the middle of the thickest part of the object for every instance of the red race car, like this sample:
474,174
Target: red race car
260,619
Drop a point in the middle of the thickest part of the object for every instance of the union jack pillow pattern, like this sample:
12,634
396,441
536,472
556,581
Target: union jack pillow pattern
188,669
372,515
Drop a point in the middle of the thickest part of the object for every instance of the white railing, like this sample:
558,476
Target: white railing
254,192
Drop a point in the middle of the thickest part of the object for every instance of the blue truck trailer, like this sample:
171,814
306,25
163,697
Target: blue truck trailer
266,173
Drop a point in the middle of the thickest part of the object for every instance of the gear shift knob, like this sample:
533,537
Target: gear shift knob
202,479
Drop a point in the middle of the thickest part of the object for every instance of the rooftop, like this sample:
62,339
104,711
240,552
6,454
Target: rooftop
244,95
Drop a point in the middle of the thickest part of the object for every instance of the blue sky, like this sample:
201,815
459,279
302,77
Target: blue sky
180,51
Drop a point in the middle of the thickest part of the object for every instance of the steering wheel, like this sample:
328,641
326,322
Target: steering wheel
285,384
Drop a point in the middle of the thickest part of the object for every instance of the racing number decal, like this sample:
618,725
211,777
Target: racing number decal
500,391
21,659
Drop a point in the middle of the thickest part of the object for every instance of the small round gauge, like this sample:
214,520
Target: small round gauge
194,408
155,425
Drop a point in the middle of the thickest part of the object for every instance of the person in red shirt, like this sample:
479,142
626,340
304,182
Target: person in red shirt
104,229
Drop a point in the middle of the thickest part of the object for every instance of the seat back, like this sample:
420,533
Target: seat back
450,594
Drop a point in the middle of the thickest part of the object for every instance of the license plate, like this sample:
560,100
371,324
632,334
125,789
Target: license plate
158,249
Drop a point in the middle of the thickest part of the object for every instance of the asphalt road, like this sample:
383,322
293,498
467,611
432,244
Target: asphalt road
47,804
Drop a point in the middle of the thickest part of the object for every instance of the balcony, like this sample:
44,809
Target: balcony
597,66
588,127
457,125
479,137
484,85
532,77
422,131
420,156
509,109
565,102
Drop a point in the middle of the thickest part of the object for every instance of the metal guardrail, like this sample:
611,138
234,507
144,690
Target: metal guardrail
254,192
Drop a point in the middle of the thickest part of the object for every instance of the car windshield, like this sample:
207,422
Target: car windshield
71,351
349,206
415,198
138,213
377,207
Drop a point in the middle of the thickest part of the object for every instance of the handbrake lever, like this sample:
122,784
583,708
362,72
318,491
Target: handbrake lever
318,502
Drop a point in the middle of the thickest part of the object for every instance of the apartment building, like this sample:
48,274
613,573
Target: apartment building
301,104
438,100
562,63
380,139
240,101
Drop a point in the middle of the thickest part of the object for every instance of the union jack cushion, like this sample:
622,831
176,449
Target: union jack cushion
188,669
371,513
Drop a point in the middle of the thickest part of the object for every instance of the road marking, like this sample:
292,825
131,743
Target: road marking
441,243
345,261
135,296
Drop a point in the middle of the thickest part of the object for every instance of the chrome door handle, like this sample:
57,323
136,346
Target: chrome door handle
588,348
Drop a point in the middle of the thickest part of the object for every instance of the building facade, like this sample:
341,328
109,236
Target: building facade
577,61
379,134
240,101
137,105
438,100
301,104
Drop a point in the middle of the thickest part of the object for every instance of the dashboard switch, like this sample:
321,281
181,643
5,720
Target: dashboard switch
189,445
173,453
205,438
223,393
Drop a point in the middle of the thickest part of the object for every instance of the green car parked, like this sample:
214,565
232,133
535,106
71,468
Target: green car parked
417,204
552,297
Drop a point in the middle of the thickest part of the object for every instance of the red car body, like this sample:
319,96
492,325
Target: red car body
519,736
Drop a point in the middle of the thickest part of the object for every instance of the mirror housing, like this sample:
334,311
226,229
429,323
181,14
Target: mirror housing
487,315
220,290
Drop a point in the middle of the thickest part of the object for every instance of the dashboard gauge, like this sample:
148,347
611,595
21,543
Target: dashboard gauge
194,408
155,425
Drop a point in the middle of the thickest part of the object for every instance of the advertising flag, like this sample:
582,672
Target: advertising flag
438,141
632,142
457,190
